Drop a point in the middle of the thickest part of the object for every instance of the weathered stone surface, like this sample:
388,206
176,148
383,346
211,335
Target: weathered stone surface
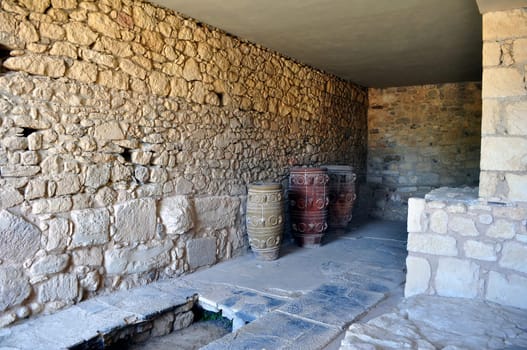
49,264
87,257
432,244
50,66
517,188
140,259
135,221
68,184
63,287
191,70
64,48
163,325
514,256
97,175
418,276
58,234
183,320
201,252
91,227
109,131
79,33
501,229
497,153
216,212
103,24
504,24
83,71
51,206
507,290
176,214
457,278
479,250
464,226
19,239
439,221
9,197
416,207
14,287
159,83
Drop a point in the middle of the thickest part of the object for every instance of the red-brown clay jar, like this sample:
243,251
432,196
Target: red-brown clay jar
341,195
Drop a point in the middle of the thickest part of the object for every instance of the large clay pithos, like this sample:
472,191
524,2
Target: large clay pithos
308,199
341,195
265,219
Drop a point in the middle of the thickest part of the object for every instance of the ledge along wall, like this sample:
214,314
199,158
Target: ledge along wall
467,246
128,135
421,138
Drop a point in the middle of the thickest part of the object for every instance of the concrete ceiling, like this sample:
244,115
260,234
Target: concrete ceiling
376,43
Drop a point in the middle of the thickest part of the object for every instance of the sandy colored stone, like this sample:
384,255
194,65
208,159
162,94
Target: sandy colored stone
97,57
49,264
63,287
502,82
152,40
97,175
103,24
36,5
83,71
33,64
503,153
9,197
132,69
135,221
19,239
112,79
191,70
35,189
491,53
80,34
216,212
515,121
176,214
58,234
501,25
64,4
142,19
116,47
7,23
27,32
178,87
68,184
108,131
517,187
159,83
142,258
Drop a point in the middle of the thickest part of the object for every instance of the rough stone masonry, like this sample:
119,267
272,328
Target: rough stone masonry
128,134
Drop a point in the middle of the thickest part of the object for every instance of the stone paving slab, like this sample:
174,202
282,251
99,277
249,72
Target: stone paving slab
278,331
431,322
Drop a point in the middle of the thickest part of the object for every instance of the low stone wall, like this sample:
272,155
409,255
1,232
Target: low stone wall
462,246
421,138
128,134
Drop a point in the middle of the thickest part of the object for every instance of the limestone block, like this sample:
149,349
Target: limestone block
19,170
491,118
19,239
135,220
91,281
64,4
520,50
162,325
183,186
141,157
503,153
91,227
510,212
7,23
51,206
201,252
501,228
133,69
35,189
97,57
216,212
417,276
79,33
63,287
502,82
479,250
27,32
34,64
488,184
514,256
176,214
142,19
457,278
144,257
191,70
87,257
159,83
97,175
14,287
52,31
121,173
113,79
34,141
507,290
464,226
29,158
108,131
58,234
501,25
432,244
63,48
68,184
515,118
9,197
49,264
83,71
178,87
183,320
491,53
416,208
14,143
439,221
36,5
152,40
103,24
517,187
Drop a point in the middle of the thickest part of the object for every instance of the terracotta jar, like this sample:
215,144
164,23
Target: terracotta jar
341,195
308,199
265,219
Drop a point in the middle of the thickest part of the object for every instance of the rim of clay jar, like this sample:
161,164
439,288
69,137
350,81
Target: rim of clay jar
265,185
299,169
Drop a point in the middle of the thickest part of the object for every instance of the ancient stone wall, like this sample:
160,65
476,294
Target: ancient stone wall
504,128
420,138
462,246
128,135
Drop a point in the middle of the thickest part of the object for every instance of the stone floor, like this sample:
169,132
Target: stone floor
307,299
